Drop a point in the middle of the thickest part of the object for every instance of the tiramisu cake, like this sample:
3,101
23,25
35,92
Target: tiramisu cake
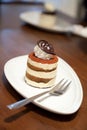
48,16
41,65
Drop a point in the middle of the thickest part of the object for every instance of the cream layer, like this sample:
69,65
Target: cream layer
43,74
43,66
41,84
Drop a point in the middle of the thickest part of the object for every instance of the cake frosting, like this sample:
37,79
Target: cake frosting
41,65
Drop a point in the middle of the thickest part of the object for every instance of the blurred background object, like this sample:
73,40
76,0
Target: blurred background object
72,8
85,9
76,9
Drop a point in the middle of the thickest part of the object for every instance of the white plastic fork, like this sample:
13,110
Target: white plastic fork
57,90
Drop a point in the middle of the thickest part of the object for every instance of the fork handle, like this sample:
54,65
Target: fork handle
25,101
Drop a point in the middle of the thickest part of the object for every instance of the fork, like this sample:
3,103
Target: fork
59,89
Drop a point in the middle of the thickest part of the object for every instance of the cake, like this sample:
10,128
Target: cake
47,20
49,8
48,16
41,66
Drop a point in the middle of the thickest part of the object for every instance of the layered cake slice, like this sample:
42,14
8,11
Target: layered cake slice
41,66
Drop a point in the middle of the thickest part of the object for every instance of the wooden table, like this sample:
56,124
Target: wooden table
17,39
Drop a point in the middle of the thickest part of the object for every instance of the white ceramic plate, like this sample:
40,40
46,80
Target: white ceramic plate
49,23
67,103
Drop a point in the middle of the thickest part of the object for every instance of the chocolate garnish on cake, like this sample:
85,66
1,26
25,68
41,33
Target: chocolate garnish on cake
45,46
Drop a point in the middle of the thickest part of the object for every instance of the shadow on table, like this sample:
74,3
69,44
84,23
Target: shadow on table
35,109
